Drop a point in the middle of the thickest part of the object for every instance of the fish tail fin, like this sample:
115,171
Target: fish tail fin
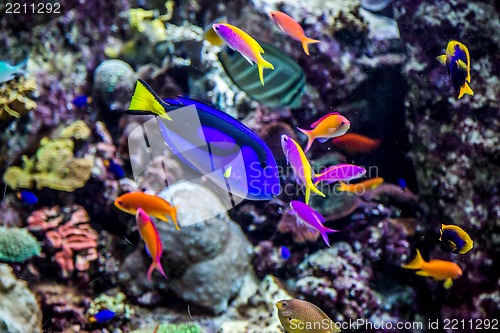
156,265
145,100
324,233
465,89
261,64
305,43
173,216
310,138
342,186
416,263
442,59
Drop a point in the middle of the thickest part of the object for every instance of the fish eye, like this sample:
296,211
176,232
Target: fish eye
120,203
272,14
216,28
284,304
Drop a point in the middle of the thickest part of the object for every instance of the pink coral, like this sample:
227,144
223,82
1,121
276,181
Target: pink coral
68,234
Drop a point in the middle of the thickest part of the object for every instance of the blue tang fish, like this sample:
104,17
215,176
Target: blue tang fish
212,143
457,61
81,101
8,71
27,197
114,168
455,239
285,253
102,316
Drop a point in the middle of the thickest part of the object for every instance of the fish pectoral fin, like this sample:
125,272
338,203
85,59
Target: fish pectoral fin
422,273
448,283
452,246
322,140
441,59
462,65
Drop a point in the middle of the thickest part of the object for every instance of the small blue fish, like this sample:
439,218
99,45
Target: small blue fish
8,71
27,197
114,168
81,101
102,316
285,253
455,239
402,183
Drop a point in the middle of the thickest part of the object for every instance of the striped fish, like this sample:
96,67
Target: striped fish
284,85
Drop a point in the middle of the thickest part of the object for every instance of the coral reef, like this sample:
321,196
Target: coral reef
54,164
173,328
17,245
116,303
67,235
19,309
15,97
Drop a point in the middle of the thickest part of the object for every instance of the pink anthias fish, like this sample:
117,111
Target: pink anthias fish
300,165
330,126
340,172
311,218
150,236
242,42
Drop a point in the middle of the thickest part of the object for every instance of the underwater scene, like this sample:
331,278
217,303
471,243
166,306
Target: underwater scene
249,166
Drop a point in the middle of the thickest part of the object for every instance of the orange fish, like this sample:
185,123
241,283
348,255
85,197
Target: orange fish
356,143
150,236
152,205
289,26
327,127
360,188
439,270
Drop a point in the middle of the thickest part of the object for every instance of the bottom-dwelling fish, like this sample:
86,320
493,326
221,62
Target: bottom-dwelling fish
439,270
152,205
360,188
455,239
150,236
311,218
299,316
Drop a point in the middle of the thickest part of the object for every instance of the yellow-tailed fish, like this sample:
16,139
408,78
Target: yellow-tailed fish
360,188
248,47
327,127
300,165
299,316
455,239
457,61
439,270
150,236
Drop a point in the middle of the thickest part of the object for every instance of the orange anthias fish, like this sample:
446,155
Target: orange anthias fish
356,143
439,270
327,127
150,236
289,26
360,188
151,204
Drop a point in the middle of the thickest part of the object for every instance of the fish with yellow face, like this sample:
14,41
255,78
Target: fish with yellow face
298,316
457,61
455,239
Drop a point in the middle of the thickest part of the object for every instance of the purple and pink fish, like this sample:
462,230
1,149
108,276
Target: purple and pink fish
311,218
340,172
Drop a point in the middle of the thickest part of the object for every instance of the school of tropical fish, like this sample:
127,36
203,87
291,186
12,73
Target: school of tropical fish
153,214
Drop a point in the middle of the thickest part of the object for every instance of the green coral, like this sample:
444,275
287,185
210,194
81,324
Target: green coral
17,245
116,302
14,100
173,328
54,164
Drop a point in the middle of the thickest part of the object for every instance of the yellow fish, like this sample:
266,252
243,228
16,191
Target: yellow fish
330,126
457,61
248,47
299,316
